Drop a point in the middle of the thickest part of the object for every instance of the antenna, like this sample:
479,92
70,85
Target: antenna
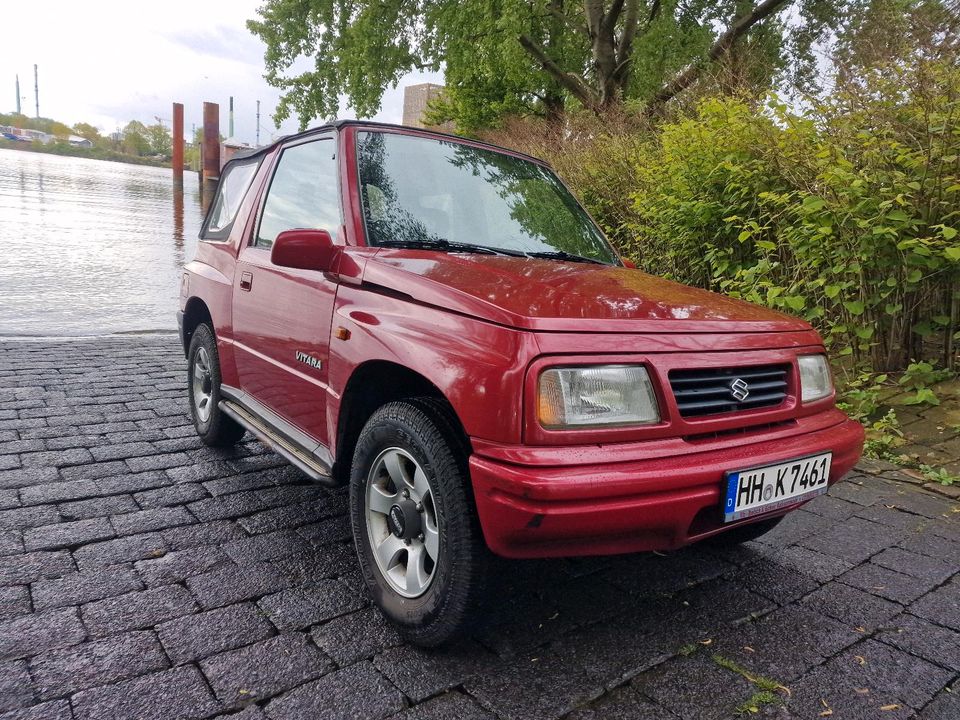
231,116
36,89
258,122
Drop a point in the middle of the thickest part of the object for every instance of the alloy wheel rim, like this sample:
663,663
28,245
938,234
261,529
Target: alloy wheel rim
402,524
202,384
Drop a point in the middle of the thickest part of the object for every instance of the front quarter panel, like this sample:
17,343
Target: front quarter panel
478,366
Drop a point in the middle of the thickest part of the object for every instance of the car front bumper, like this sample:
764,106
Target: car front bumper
654,495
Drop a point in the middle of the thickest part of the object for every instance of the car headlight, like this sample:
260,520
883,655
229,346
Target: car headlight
601,395
815,382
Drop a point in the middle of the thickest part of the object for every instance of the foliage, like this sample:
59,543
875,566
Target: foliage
46,125
532,57
757,701
883,437
133,145
88,131
845,214
764,683
134,139
939,475
860,396
159,140
918,377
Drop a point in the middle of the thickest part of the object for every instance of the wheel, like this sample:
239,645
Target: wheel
744,533
203,388
418,540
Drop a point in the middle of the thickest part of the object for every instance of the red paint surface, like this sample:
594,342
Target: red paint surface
480,328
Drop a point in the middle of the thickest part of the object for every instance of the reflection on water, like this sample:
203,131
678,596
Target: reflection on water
91,247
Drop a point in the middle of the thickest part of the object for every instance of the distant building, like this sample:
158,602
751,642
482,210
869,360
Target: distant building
27,134
78,141
416,100
230,147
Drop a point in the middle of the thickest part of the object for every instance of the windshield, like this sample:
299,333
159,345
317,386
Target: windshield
422,191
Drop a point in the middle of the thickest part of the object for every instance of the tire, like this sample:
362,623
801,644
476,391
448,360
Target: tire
441,597
744,533
203,390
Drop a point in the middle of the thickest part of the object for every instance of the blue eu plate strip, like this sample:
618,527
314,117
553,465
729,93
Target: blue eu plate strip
730,505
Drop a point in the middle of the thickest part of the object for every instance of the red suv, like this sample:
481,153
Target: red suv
439,324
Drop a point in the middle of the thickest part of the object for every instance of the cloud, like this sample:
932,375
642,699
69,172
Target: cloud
229,43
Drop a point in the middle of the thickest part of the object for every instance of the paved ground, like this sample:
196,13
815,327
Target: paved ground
931,433
145,576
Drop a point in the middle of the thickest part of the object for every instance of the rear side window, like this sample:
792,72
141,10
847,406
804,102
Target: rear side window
303,194
232,189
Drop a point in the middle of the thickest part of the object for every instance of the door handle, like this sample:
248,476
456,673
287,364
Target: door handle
246,281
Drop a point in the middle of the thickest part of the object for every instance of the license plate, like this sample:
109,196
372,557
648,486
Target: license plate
764,489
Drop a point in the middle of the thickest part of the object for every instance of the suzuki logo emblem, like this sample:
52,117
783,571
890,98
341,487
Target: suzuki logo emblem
739,389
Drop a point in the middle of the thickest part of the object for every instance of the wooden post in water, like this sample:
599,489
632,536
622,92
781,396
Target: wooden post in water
211,150
178,146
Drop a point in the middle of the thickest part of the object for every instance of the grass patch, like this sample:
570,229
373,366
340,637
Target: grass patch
688,649
755,703
769,693
764,683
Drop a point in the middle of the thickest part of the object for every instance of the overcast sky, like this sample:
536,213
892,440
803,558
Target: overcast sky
107,62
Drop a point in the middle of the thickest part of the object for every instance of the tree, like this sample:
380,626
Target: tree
517,55
134,139
159,139
88,131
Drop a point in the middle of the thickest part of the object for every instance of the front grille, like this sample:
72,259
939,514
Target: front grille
748,430
717,390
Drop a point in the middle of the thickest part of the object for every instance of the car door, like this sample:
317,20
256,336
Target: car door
282,315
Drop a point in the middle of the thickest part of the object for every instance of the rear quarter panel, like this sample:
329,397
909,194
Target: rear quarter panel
211,274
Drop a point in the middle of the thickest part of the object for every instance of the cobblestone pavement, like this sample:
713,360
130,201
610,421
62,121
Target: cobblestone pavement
145,576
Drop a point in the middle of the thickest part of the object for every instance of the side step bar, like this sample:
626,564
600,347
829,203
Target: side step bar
297,456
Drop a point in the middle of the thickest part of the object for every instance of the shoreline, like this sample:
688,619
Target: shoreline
65,150
133,334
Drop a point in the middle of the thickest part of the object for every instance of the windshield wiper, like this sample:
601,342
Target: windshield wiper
564,255
447,245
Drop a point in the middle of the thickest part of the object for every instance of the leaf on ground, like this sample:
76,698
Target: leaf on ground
828,712
892,706
862,691
861,660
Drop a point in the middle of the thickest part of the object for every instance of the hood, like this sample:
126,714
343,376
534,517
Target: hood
549,295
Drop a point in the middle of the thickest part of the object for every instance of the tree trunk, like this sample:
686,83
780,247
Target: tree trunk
723,44
553,100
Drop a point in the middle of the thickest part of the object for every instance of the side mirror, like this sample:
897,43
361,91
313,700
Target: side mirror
628,263
305,249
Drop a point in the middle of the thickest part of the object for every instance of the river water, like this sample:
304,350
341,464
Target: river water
89,247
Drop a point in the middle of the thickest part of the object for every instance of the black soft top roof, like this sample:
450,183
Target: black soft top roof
337,124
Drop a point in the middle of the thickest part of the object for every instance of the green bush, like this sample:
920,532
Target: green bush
845,213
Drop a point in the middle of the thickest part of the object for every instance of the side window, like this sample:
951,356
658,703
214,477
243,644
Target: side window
230,193
304,192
